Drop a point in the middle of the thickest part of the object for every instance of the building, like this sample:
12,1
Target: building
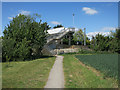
55,37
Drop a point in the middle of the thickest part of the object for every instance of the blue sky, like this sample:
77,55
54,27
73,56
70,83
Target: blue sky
94,16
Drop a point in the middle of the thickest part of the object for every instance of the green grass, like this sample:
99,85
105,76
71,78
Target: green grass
27,74
79,76
106,63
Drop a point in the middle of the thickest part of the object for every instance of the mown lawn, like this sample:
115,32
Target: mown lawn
79,76
27,74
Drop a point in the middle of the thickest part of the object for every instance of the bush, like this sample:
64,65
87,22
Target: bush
106,43
23,38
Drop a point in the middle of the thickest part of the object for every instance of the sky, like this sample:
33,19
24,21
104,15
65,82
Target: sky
96,17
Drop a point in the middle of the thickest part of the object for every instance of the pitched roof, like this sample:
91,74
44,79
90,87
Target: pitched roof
56,30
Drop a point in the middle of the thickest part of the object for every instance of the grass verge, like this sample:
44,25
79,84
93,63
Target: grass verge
79,76
105,63
27,74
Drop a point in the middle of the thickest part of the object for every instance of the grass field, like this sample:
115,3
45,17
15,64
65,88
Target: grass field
79,76
106,63
28,74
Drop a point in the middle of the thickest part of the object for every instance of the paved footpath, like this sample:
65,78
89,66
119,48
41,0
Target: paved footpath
56,76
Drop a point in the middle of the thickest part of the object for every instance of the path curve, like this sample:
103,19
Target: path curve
56,76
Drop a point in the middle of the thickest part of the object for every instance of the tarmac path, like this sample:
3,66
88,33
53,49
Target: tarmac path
56,76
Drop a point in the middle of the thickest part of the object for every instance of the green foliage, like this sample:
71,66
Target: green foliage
82,51
23,38
24,49
117,36
0,49
58,26
79,37
106,43
85,51
106,63
66,39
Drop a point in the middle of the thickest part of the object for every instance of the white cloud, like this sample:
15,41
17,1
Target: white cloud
108,29
76,29
104,31
23,12
95,33
89,11
10,18
55,22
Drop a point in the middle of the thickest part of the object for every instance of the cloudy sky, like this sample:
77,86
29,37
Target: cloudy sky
94,16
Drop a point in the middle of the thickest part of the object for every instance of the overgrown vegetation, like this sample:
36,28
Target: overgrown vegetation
79,76
23,38
106,43
99,43
85,51
27,74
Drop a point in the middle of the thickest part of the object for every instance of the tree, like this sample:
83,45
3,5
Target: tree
100,42
58,26
66,39
79,37
107,43
118,39
115,41
0,48
23,38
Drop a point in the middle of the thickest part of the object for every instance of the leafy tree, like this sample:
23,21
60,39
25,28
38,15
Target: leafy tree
115,41
107,43
58,26
102,42
118,39
66,39
23,38
0,47
79,37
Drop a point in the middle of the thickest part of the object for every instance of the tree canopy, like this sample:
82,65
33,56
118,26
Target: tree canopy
107,43
58,26
23,38
79,37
